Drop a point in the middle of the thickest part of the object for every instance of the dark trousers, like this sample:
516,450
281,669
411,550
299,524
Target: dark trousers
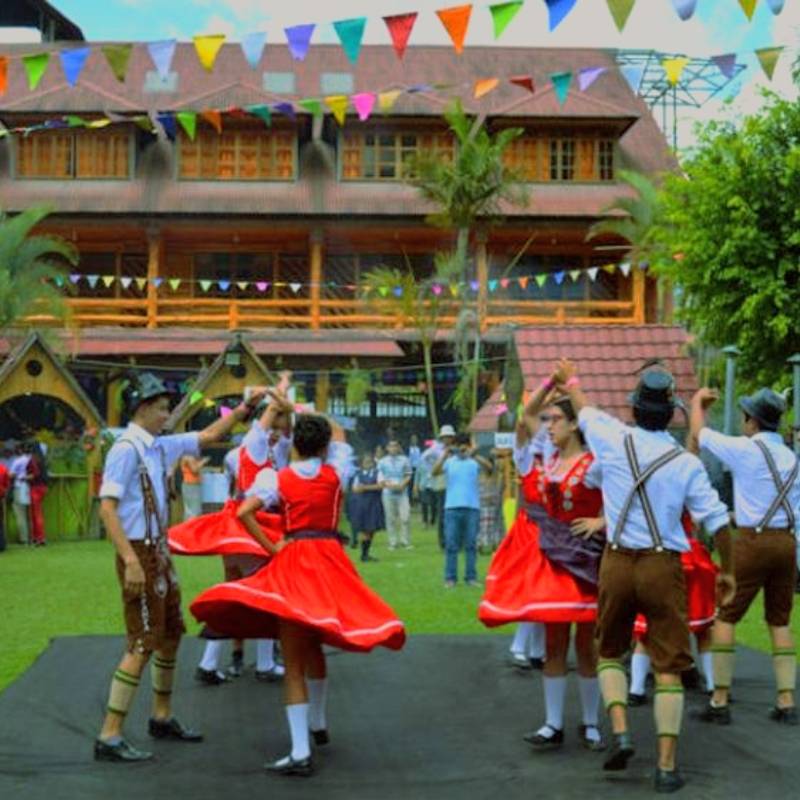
439,516
427,501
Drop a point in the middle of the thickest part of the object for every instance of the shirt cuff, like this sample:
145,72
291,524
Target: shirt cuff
111,489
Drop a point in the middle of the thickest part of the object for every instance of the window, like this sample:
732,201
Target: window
74,154
562,160
336,83
522,156
539,158
238,155
386,156
279,82
605,156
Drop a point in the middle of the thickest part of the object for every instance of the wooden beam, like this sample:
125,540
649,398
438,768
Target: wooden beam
638,298
482,262
322,393
154,253
316,240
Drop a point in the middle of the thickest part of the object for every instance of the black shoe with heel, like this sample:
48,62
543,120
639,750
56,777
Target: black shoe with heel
621,752
540,741
172,729
668,781
119,750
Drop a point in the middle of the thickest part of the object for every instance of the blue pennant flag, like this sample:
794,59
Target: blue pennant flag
253,47
72,62
162,53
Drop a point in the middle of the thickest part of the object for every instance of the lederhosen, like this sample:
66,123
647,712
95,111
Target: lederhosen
648,580
154,616
765,556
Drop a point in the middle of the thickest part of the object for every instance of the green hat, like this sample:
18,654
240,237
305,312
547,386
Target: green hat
141,388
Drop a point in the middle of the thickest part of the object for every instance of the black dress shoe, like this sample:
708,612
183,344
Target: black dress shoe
718,715
690,678
541,742
119,751
786,716
302,768
621,752
172,729
321,736
668,781
536,663
271,675
211,677
636,700
589,742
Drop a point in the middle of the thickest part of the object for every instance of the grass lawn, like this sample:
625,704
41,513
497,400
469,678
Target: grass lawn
70,588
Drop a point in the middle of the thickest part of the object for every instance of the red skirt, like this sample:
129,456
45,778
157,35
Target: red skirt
701,590
222,533
310,582
523,585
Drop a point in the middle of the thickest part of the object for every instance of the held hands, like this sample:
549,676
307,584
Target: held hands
134,576
726,588
564,371
705,397
587,527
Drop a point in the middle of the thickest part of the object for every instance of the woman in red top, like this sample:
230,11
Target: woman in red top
309,593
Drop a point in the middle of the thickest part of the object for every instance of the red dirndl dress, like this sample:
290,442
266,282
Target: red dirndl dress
222,532
311,581
522,584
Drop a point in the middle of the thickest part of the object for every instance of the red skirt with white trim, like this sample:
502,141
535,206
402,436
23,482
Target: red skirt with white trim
310,582
523,585
701,590
222,533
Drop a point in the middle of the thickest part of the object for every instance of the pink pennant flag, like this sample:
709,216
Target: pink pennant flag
225,411
363,104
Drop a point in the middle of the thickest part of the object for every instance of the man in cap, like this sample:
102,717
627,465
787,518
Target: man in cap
134,509
766,497
647,482
438,482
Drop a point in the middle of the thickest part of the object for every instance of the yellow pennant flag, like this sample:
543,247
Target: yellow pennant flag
99,123
483,86
674,68
387,99
768,58
749,7
337,103
208,47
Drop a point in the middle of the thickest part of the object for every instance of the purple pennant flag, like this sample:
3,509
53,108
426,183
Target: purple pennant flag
559,276
397,291
162,53
684,8
586,77
726,64
299,40
74,278
253,47
286,109
419,87
558,10
157,282
474,285
72,62
262,286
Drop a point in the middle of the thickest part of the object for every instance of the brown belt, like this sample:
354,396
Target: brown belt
641,550
765,530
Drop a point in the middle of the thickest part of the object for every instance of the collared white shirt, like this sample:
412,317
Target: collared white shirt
414,456
121,474
753,487
394,469
681,483
538,445
437,482
259,448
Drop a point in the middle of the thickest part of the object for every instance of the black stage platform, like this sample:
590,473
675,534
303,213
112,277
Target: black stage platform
441,719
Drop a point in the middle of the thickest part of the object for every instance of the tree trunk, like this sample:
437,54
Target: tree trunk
426,354
476,366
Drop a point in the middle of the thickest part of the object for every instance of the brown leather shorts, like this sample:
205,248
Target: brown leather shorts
768,560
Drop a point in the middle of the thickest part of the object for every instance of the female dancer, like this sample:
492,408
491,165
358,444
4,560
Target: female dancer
309,593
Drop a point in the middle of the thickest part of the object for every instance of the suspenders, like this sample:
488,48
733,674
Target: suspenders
640,478
148,494
782,498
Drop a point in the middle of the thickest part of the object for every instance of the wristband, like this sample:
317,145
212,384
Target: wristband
573,381
548,384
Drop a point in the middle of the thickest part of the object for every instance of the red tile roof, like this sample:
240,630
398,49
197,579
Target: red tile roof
606,357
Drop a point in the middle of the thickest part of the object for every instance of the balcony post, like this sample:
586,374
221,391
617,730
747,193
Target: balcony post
154,256
482,266
316,241
638,292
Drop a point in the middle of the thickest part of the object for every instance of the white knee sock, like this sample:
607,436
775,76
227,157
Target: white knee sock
210,659
265,655
521,638
317,703
707,662
536,640
640,666
590,699
554,691
297,715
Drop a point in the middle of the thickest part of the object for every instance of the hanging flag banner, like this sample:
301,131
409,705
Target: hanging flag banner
174,284
492,285
157,282
592,271
685,8
575,275
35,67
350,33
223,285
242,285
108,281
188,121
287,109
620,11
295,287
126,282
587,76
92,280
262,286
72,62
386,100
523,282
484,86
625,268
726,64
312,105
363,103
559,276
400,27
525,81
141,283
541,280
456,22
454,290
775,6
118,56
253,48
338,105
749,7
195,397
205,285
561,82
633,74
502,14
213,118
207,49
161,54
768,58
3,75
558,9
504,283
298,37
167,121
674,67
260,111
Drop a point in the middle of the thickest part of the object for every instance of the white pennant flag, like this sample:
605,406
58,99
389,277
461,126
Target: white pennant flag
126,282
593,272
295,287
625,268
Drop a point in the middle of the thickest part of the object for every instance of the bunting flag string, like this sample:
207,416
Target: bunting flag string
161,54
558,10
72,62
207,48
351,33
400,27
685,8
502,14
118,56
253,48
456,22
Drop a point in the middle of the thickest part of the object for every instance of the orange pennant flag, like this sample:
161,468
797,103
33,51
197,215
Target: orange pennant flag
214,118
523,282
3,75
456,22
484,85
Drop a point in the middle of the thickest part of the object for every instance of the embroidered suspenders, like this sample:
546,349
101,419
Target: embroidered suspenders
782,498
148,494
639,489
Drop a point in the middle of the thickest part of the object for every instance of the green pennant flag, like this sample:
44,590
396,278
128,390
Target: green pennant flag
561,82
108,281
502,14
205,285
174,283
574,274
35,67
188,121
541,280
383,290
312,105
75,121
118,56
620,10
262,112
195,397
768,58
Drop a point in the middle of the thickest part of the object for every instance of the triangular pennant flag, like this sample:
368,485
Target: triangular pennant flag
474,285
387,99
99,123
456,22
205,285
620,11
224,285
195,397
748,6
504,283
141,283
207,49
610,268
483,86
298,38
167,121
74,278
383,291
559,276
108,281
726,64
242,285
35,67
436,289
559,9
454,289
492,285
253,47
144,122
262,286
502,14
338,105
118,56
574,275
523,282
525,81
312,105
674,67
350,33
157,282
74,121
561,82
775,6
213,118
625,268
92,280
3,75
287,109
59,281
126,282
685,8
400,27
188,121
161,54
586,77
262,112
768,58
225,411
541,280
397,291
363,103
295,287
633,74
174,284
72,62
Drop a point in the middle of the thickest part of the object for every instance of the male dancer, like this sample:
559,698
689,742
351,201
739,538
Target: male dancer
134,509
766,496
647,481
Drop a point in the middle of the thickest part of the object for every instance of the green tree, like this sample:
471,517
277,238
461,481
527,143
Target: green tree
729,238
31,269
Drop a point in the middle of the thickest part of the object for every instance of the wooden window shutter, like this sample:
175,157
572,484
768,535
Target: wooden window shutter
586,160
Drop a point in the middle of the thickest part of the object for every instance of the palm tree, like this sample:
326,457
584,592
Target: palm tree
31,268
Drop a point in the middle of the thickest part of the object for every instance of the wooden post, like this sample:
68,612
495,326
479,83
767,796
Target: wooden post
638,291
154,252
322,393
316,241
482,263
233,315
113,410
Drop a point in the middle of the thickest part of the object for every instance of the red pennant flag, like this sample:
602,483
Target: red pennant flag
3,75
214,118
525,81
456,22
400,27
